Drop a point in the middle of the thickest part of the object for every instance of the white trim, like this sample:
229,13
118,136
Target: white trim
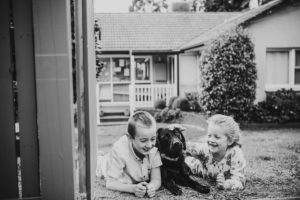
292,67
175,75
114,56
273,88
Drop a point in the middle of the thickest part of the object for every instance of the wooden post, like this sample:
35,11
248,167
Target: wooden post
52,38
8,166
89,70
22,13
132,92
80,97
176,77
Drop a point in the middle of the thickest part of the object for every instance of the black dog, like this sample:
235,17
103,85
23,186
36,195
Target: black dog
171,144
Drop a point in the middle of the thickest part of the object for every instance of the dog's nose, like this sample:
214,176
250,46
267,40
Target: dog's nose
177,145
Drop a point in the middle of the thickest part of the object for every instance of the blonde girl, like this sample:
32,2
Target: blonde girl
220,158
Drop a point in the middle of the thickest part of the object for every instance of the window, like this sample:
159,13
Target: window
283,69
297,68
121,69
113,77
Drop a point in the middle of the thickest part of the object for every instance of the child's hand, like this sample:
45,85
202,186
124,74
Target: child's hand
220,181
150,190
237,186
140,189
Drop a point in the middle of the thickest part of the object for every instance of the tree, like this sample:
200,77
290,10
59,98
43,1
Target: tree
228,75
229,5
149,6
195,5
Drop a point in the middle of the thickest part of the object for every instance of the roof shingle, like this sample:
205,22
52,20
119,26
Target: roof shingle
155,31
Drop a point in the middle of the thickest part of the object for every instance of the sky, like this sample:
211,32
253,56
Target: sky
112,5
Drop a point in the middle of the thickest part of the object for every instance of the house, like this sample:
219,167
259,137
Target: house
162,50
141,60
274,29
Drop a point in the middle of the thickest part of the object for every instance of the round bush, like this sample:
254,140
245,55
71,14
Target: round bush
181,103
160,104
228,75
170,103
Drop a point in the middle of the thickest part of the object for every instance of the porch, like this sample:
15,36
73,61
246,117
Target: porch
129,82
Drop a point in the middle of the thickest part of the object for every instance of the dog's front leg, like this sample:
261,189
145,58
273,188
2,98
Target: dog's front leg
198,184
172,187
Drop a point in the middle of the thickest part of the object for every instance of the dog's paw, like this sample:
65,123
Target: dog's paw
176,191
202,189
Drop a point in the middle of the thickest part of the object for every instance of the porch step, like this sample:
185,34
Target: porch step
113,118
108,114
112,123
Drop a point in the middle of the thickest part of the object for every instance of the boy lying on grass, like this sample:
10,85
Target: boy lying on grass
133,164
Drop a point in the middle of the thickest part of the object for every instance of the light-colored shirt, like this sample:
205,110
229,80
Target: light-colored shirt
125,166
203,164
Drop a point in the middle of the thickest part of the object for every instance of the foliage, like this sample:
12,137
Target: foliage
97,33
179,103
160,104
228,6
194,5
228,75
167,115
149,6
170,103
279,107
193,99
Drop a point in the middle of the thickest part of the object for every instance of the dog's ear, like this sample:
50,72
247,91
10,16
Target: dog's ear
158,132
183,139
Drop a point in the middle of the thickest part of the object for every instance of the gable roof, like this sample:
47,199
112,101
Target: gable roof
241,19
155,31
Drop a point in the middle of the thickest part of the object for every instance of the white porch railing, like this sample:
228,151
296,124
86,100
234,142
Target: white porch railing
144,95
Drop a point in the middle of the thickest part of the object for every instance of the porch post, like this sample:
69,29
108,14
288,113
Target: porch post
131,88
176,60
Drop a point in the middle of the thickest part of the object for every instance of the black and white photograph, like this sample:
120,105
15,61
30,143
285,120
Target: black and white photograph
150,99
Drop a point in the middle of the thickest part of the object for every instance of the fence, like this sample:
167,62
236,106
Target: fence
145,95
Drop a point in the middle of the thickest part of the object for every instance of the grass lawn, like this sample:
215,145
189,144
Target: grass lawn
273,162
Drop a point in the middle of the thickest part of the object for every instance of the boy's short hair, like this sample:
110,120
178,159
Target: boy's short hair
227,122
140,118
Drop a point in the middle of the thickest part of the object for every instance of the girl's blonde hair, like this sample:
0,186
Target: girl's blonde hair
229,124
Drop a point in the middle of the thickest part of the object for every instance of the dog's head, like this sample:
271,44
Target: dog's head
170,142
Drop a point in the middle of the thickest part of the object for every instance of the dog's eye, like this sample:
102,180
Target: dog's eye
167,136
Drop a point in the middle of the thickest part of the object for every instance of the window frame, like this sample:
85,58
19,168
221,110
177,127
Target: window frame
291,69
112,82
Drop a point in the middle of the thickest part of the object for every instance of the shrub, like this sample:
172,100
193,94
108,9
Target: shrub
181,103
228,75
160,104
167,115
170,103
279,107
193,99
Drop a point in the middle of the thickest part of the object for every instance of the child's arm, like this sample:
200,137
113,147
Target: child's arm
236,179
138,189
155,182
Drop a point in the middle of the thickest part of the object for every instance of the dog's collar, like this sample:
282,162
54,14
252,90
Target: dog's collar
164,156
